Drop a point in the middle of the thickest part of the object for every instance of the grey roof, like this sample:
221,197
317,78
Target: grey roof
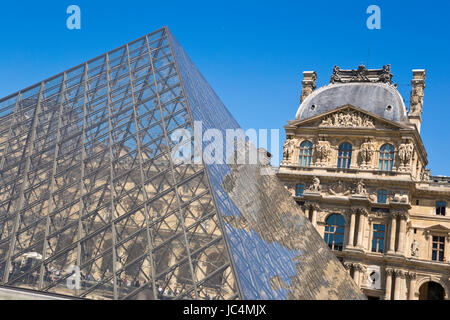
373,97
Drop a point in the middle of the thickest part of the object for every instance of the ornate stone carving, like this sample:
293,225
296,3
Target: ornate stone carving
362,75
359,189
288,150
415,248
418,86
405,152
315,186
347,119
367,151
348,265
358,267
398,213
312,205
338,188
411,275
323,151
426,174
398,197
399,273
389,271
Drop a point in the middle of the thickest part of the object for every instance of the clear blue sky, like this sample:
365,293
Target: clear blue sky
251,52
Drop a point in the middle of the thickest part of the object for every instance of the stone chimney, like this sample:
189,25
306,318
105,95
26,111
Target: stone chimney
308,84
416,100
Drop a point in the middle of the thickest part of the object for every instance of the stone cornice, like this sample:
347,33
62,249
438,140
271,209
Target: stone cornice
417,265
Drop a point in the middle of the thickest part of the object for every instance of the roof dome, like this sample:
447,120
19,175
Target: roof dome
379,98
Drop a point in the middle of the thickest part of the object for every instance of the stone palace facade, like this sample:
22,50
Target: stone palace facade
355,162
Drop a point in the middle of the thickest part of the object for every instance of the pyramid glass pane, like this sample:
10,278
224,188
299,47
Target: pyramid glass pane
94,205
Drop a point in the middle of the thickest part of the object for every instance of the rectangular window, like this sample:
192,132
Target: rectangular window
378,238
299,190
440,208
437,249
382,195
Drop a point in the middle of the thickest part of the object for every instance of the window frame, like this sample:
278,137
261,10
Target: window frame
383,196
440,211
386,157
332,232
305,154
376,239
344,158
440,247
299,189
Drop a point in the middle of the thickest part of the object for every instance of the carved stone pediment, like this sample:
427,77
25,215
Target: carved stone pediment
347,119
347,116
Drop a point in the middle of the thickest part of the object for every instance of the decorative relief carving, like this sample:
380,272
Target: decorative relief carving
315,186
418,86
399,273
360,190
415,248
367,151
347,119
338,188
398,197
362,74
311,205
389,271
398,213
405,152
411,275
288,150
323,152
358,267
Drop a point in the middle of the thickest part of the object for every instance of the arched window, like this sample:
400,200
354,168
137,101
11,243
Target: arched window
344,155
305,153
386,157
334,232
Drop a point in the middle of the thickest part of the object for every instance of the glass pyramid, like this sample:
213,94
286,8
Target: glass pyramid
93,204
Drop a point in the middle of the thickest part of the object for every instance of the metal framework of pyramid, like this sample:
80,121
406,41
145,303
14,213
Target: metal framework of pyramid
92,204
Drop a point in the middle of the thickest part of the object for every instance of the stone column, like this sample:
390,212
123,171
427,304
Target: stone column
315,209
399,284
388,285
402,235
362,224
356,272
446,248
412,285
393,230
348,266
370,238
351,231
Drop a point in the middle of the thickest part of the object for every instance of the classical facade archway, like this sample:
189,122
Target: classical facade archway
431,291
